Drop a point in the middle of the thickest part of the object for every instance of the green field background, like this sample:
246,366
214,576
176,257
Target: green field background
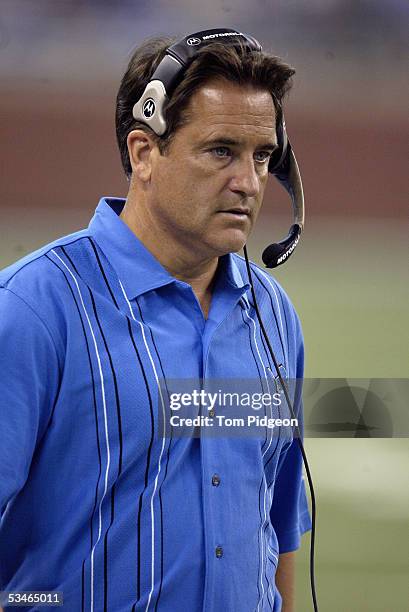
349,281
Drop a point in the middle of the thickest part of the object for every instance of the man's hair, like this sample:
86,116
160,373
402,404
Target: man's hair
215,60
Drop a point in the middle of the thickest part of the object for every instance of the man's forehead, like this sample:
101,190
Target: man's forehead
222,105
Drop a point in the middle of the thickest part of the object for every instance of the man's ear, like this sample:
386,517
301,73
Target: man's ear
140,149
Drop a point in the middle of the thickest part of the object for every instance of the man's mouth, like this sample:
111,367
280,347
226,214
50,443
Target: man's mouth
240,212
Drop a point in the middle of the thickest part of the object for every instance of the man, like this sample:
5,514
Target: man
96,504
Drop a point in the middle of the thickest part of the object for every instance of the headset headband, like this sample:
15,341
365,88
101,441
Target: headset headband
150,110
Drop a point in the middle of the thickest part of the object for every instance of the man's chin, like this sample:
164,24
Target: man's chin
231,242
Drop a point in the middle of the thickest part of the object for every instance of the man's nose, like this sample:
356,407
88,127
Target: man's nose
245,178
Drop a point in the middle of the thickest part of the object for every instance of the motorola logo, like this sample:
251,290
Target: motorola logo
289,251
193,41
221,34
149,108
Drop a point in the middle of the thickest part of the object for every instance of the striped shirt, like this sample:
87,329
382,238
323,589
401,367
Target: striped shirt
94,501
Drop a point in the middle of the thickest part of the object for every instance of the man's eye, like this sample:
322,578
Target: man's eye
221,151
262,156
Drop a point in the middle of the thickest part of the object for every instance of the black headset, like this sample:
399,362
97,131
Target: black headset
150,109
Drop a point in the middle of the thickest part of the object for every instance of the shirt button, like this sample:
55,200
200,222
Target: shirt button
219,552
215,480
211,413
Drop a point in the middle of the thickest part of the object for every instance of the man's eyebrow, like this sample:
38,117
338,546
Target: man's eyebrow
269,146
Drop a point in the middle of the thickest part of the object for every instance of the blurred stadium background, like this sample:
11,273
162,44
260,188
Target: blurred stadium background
60,65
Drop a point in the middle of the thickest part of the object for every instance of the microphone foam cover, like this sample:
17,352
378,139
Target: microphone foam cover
271,254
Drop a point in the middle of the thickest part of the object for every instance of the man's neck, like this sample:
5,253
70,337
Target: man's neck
181,262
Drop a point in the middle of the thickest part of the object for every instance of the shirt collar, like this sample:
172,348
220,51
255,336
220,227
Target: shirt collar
136,267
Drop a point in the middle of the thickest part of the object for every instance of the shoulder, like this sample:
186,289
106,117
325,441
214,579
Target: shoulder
36,270
34,288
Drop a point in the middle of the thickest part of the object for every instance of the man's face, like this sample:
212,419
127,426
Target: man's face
208,188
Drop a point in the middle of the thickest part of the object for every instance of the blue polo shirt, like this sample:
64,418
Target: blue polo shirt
93,501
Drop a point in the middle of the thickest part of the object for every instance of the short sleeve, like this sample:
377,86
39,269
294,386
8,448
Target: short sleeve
29,375
289,511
